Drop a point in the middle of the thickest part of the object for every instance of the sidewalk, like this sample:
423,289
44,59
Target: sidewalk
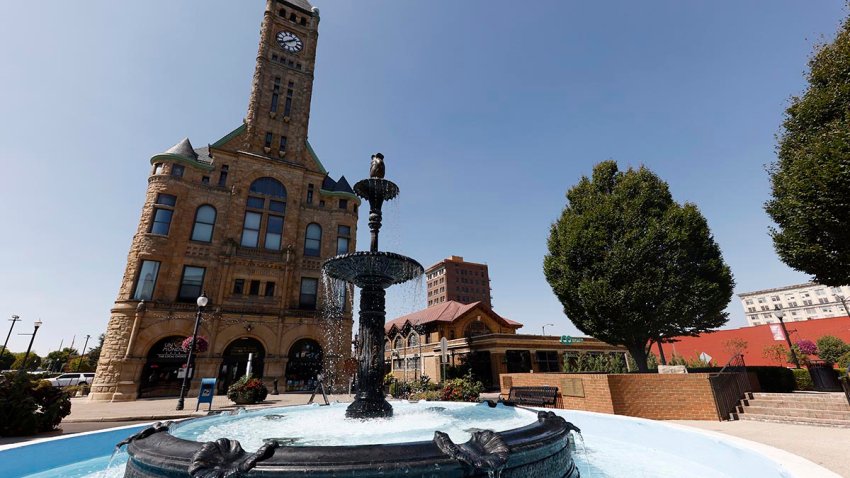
84,410
826,446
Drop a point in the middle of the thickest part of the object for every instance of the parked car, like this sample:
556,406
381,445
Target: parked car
67,379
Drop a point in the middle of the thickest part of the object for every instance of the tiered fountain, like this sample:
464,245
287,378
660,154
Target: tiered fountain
540,448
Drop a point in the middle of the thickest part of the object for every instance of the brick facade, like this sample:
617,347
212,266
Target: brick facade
454,279
654,396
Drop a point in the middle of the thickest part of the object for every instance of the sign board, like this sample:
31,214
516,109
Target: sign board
181,372
776,330
672,369
705,357
567,340
205,395
444,350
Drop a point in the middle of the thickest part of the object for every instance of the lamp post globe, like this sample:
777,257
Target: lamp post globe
202,302
37,324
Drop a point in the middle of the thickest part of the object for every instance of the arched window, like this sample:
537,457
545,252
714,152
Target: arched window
398,343
413,339
266,206
204,224
268,187
313,240
476,327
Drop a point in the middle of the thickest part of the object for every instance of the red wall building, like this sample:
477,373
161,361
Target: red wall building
757,338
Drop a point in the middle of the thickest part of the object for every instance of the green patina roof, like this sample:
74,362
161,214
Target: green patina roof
184,153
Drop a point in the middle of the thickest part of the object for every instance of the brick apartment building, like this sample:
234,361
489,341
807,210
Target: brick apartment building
454,279
248,220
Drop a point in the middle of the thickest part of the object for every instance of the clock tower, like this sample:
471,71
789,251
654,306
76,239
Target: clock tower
279,108
247,222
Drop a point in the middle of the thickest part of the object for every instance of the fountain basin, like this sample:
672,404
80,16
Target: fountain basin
613,444
381,269
540,448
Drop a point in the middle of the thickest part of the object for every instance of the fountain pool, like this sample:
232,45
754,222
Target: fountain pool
613,446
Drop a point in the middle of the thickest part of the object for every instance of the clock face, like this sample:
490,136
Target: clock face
290,42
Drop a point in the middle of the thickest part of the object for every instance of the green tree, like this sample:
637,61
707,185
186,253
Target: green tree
810,180
831,348
630,265
6,360
33,361
58,359
94,352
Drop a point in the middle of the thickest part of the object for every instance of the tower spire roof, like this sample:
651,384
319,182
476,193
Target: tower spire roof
183,148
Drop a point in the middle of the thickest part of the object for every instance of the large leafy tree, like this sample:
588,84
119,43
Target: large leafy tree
811,178
631,266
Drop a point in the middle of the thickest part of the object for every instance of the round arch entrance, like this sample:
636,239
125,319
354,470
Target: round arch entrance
160,375
234,361
305,362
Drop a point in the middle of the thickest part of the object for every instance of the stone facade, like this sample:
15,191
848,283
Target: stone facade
232,220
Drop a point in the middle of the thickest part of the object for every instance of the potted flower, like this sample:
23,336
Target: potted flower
247,390
201,344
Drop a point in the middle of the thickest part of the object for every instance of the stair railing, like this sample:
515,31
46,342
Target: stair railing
729,386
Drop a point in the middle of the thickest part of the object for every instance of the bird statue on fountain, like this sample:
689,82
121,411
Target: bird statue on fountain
376,171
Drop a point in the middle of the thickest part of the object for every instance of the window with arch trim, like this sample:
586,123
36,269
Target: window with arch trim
202,231
265,210
413,339
313,240
398,343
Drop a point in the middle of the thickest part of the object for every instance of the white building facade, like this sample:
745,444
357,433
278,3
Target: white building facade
799,302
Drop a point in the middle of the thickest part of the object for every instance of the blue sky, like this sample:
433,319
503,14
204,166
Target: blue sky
487,111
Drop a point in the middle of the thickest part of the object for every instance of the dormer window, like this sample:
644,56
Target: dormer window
177,170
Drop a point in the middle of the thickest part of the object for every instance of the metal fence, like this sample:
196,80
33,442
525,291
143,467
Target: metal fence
729,386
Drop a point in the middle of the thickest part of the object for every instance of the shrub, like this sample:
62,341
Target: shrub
843,361
774,379
399,389
775,353
29,405
831,349
807,347
247,390
465,389
429,395
602,363
802,379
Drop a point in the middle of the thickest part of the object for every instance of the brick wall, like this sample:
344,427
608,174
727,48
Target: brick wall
659,397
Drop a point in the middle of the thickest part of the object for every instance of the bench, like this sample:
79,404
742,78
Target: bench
533,396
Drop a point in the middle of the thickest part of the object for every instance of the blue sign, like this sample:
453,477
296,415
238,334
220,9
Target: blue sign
207,392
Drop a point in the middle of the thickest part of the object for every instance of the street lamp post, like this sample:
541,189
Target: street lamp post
14,319
544,327
27,355
80,360
202,302
779,314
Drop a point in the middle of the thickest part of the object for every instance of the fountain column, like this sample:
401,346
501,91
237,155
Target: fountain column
370,401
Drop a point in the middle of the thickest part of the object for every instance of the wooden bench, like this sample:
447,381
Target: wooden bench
533,396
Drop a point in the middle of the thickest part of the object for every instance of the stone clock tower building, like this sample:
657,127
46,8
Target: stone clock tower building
248,220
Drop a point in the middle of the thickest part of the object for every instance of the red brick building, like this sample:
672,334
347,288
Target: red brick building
758,338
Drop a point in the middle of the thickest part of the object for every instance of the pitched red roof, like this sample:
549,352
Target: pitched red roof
448,311
758,337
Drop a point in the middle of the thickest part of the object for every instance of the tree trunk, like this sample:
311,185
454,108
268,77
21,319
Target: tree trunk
661,353
639,355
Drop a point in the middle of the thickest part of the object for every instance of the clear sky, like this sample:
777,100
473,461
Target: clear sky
487,112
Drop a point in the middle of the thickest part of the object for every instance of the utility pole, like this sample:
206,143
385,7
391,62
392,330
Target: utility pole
843,301
80,360
14,319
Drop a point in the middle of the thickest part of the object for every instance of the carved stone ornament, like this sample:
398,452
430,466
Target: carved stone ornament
155,428
225,458
485,451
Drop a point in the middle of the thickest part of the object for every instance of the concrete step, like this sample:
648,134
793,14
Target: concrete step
811,397
795,420
794,413
806,404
